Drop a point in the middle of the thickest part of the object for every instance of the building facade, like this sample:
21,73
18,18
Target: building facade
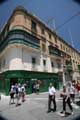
30,50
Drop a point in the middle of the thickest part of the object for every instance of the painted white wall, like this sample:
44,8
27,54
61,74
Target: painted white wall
5,57
27,59
16,58
19,57
49,68
75,75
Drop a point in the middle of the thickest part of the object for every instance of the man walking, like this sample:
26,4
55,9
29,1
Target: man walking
51,98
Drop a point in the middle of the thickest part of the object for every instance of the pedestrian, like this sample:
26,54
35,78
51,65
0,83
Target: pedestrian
18,94
66,100
78,88
37,88
72,91
0,97
33,87
23,93
51,98
12,95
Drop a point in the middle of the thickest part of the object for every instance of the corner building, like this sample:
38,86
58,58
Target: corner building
31,51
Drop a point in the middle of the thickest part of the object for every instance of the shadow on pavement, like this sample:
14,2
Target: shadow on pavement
2,118
78,103
76,118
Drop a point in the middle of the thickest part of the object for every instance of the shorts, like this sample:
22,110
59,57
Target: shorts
12,95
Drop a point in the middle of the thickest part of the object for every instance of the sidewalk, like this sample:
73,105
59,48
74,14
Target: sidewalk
42,95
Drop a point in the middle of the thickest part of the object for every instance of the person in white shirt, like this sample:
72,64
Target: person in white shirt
23,93
72,92
52,92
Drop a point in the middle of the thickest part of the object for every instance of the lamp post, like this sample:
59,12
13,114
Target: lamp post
63,69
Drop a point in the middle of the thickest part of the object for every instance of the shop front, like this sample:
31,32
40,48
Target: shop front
9,78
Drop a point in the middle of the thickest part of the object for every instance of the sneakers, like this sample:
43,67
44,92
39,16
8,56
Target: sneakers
65,114
62,112
72,113
48,111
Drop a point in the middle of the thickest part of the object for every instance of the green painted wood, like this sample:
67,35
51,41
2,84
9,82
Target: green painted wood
19,37
22,76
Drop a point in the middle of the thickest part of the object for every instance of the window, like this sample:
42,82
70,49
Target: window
33,60
55,39
58,65
33,26
43,47
44,62
49,36
52,64
25,18
42,30
61,46
64,48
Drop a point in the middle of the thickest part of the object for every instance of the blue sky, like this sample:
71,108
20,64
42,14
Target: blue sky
59,10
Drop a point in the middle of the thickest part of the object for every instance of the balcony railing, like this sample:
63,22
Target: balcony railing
54,51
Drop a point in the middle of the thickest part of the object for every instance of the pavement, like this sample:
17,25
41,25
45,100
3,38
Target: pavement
35,108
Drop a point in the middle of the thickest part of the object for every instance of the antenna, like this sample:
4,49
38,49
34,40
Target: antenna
71,37
68,20
53,22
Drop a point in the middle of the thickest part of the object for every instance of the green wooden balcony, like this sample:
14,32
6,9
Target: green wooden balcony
54,51
19,37
69,66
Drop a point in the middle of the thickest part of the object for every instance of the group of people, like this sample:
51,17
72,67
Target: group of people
67,94
17,92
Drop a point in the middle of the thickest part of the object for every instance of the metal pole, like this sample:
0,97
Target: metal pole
64,76
64,82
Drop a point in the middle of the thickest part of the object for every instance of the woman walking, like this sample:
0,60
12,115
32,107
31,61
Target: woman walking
66,99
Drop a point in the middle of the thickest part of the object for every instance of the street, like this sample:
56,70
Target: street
34,108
